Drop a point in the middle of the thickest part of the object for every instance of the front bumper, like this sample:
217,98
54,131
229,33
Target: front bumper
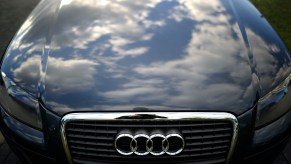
32,145
268,141
29,144
261,145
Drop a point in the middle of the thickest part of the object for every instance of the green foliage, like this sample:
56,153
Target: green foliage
278,13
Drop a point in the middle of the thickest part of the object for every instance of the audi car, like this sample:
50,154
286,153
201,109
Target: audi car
151,81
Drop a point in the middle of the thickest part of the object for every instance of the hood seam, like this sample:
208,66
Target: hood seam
45,55
255,76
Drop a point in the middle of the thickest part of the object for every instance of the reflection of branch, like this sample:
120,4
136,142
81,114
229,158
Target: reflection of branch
141,116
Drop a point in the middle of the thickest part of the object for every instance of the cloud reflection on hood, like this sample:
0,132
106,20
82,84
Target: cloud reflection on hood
174,53
121,37
61,76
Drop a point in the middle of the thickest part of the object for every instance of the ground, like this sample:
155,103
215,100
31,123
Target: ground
278,13
14,12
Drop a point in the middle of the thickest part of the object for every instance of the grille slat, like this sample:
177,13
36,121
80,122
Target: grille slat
207,130
100,150
83,130
89,149
89,143
205,140
90,137
205,149
211,136
208,143
109,124
149,157
210,161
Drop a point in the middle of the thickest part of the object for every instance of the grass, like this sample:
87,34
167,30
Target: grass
278,13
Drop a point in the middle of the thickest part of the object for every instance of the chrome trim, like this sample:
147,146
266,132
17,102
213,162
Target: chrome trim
152,147
282,87
131,147
149,139
136,145
271,99
183,144
110,116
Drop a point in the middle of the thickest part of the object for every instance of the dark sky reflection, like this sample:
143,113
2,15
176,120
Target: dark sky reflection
160,54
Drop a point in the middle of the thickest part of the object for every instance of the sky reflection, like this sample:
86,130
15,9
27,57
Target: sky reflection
160,54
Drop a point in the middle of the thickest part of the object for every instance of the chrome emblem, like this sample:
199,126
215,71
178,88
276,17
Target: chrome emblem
142,144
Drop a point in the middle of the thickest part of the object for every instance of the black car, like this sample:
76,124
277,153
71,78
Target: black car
153,81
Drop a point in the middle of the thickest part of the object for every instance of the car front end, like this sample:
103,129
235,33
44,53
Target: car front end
167,81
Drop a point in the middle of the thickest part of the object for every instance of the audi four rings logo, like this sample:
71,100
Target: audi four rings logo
156,144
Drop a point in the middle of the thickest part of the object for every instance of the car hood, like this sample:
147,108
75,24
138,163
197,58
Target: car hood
156,55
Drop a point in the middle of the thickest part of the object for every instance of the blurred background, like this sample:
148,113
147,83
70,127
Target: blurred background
14,12
278,13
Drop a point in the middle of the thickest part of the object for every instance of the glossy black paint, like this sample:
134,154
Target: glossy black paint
246,144
76,56
159,55
30,135
270,133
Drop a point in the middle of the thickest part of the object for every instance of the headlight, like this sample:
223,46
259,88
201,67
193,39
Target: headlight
274,104
19,104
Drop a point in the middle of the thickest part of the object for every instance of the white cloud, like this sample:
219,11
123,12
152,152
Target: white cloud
63,76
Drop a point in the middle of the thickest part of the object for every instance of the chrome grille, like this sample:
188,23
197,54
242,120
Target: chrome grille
208,139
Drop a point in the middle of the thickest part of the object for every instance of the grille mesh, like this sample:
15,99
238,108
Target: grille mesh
205,141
